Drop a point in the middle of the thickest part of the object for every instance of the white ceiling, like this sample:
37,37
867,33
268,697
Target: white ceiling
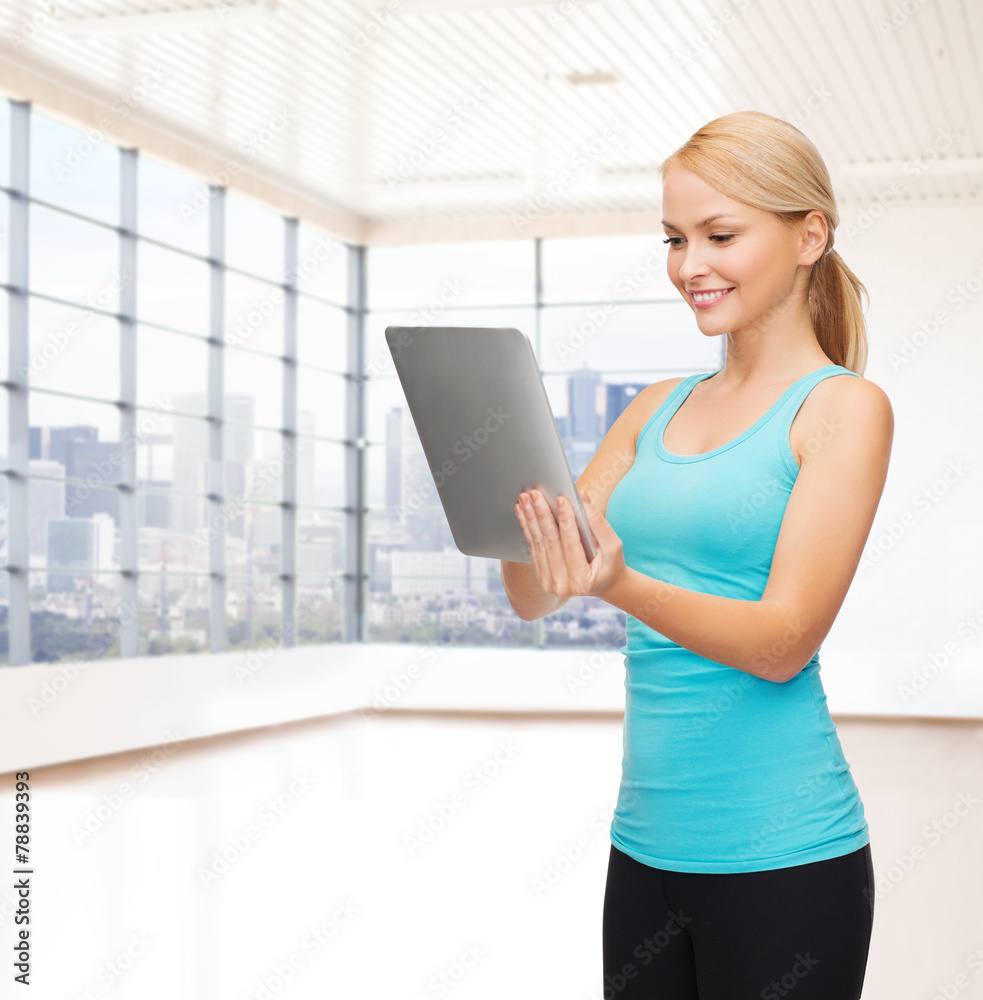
877,90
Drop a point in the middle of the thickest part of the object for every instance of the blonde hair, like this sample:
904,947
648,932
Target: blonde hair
769,164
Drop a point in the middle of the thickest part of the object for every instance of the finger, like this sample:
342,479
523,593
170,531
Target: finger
610,551
597,522
549,540
574,556
537,545
530,545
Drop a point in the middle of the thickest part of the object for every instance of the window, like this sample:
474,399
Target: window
189,467
607,324
166,501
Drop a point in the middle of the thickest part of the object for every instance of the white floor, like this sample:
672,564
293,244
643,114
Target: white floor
423,856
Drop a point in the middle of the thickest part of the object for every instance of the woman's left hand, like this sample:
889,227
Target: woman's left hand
557,553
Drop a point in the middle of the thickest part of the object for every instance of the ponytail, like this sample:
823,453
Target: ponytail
836,309
769,164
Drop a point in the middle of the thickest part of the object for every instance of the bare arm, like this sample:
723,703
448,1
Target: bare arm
527,597
825,527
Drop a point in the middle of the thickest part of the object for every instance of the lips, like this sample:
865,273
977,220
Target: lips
710,297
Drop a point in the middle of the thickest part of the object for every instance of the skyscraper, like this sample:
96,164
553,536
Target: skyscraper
618,396
582,404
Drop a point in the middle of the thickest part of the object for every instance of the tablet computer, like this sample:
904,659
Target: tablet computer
485,423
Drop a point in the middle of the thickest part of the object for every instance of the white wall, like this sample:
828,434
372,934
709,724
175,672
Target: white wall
921,579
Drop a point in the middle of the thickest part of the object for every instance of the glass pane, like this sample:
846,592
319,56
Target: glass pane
585,621
383,396
434,277
172,370
171,534
606,336
73,432
172,289
75,169
320,474
441,606
171,206
239,449
322,335
47,503
399,477
255,460
254,388
378,356
320,403
253,314
320,543
73,350
262,459
74,614
174,615
319,610
253,611
253,238
415,526
155,448
322,265
155,459
188,475
72,526
252,539
73,260
606,269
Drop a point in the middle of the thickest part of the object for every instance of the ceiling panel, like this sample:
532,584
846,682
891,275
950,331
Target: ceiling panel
465,109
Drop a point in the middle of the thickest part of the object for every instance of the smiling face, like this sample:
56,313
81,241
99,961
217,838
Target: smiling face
740,268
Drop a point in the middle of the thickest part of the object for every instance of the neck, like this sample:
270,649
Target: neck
780,346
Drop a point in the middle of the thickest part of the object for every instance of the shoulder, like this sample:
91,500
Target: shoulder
616,453
646,402
840,403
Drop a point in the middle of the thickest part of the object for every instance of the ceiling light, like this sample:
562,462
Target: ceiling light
215,15
478,181
588,79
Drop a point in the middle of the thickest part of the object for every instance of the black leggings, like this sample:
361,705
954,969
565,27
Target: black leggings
800,932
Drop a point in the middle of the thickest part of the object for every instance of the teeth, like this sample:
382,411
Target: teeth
708,296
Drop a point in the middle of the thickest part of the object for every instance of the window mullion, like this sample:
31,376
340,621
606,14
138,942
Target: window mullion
129,627
288,523
18,557
356,559
216,423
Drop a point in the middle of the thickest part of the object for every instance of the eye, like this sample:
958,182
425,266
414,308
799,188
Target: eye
674,241
722,237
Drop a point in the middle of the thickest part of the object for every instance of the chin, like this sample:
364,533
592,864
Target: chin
717,331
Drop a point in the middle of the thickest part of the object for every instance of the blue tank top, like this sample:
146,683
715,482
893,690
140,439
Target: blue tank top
722,771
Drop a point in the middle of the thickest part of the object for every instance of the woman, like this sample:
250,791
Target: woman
731,510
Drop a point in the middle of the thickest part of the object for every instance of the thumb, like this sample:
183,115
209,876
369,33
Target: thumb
600,529
593,514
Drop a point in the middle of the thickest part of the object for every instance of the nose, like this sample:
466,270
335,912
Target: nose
691,264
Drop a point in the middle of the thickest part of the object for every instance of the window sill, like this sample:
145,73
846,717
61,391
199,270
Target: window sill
109,706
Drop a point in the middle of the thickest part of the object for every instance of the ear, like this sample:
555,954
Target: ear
815,236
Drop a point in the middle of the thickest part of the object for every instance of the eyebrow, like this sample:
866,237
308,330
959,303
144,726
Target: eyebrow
702,225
